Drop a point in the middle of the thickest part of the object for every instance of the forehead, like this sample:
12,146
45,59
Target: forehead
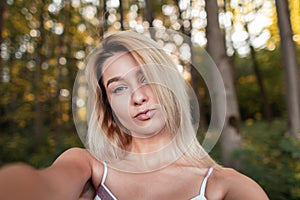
118,65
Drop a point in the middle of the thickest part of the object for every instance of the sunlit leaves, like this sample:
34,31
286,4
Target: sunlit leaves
295,18
55,6
251,21
70,30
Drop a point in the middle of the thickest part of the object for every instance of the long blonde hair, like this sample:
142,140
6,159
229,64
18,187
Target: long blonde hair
105,138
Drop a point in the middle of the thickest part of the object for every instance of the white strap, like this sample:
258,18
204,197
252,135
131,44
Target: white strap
104,173
203,186
103,185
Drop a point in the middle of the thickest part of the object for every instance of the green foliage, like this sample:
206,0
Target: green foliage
39,55
32,93
19,147
249,95
272,158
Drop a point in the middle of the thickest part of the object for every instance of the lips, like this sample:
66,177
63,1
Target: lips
145,115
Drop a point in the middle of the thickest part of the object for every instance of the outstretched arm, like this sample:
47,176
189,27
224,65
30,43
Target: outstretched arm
65,179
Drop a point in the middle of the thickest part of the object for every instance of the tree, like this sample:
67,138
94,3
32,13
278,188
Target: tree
103,26
195,78
290,67
246,40
121,9
149,17
2,11
230,138
260,81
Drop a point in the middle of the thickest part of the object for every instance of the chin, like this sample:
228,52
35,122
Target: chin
149,131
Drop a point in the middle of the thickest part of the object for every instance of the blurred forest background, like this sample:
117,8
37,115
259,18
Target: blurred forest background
255,44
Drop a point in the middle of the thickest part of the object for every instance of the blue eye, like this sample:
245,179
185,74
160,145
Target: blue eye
120,89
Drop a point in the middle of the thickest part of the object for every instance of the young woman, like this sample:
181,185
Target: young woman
141,141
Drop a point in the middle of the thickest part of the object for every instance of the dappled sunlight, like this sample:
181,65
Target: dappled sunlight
45,45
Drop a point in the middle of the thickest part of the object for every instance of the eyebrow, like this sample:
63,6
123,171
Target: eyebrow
139,72
118,78
114,79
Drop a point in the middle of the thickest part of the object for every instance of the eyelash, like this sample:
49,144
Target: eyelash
143,80
120,89
117,89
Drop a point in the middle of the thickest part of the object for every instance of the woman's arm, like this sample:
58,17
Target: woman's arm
64,179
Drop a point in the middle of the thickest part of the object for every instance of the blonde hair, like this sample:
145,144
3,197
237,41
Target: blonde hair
105,138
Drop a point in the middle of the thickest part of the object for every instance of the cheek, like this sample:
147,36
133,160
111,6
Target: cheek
120,106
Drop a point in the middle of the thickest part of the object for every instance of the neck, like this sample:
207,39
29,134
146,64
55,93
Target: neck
150,144
150,154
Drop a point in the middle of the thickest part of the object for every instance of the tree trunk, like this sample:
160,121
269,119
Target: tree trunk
104,25
267,112
266,105
2,11
290,67
62,50
195,77
230,138
39,59
149,18
121,15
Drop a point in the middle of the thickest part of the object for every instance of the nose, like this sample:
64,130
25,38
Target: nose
139,96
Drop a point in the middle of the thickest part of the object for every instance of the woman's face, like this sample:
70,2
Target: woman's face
131,97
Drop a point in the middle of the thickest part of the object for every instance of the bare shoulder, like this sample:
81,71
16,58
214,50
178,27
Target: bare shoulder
77,155
74,153
235,185
82,158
